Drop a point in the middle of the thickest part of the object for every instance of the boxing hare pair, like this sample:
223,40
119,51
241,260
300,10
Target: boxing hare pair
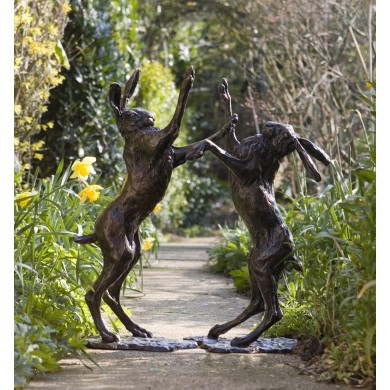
150,157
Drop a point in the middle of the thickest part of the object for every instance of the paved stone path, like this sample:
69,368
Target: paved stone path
182,299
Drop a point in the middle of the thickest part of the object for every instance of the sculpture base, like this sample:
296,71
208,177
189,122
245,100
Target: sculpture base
153,344
262,345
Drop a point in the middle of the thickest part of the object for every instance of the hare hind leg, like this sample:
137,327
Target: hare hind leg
117,256
256,305
268,284
112,296
93,298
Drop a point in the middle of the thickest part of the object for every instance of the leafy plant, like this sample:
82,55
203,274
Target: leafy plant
335,236
241,279
335,298
232,251
52,274
38,60
103,45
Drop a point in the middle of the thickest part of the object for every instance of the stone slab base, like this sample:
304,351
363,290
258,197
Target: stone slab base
262,345
153,344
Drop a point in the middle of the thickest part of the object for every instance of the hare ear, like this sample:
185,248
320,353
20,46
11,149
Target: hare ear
115,98
315,151
130,88
307,161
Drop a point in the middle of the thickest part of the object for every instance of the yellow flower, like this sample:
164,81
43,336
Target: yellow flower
35,30
90,192
17,109
44,95
37,145
52,29
18,62
66,7
81,169
147,244
157,209
26,18
26,194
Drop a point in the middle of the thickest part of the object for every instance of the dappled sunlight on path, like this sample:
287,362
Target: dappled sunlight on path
183,299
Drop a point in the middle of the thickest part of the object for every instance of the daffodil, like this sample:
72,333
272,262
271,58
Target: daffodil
157,209
90,192
147,244
81,169
17,109
26,194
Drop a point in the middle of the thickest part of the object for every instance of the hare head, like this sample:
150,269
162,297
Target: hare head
129,120
284,140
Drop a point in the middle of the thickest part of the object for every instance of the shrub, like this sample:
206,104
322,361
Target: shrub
38,59
335,233
232,251
103,46
52,274
335,298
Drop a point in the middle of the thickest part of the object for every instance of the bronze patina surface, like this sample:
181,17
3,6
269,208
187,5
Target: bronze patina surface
150,158
252,165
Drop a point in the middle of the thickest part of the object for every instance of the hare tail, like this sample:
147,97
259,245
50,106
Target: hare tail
87,239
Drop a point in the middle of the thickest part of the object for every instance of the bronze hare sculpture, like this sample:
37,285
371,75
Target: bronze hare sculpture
252,165
150,157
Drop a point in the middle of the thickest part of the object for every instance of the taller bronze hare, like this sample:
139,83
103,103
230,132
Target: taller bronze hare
150,157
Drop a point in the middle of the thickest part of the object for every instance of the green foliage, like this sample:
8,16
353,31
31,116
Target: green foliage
335,236
298,321
103,46
232,251
52,274
157,92
241,279
38,60
189,200
335,299
202,193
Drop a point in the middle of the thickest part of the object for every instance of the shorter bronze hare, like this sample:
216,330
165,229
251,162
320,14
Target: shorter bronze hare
150,157
252,165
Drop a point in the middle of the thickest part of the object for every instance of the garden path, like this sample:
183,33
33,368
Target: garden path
182,299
